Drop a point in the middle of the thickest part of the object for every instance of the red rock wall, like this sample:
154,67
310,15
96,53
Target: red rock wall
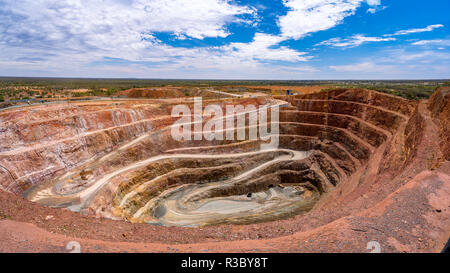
439,105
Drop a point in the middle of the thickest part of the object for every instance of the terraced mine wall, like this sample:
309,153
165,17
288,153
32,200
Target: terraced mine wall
59,137
342,155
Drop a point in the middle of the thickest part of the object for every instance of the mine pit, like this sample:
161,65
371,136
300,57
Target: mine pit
341,155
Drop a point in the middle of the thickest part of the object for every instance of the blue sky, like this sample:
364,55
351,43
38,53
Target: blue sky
219,39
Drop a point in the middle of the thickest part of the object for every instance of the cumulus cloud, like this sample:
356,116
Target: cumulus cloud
303,17
195,18
72,35
308,16
263,47
119,28
355,40
124,29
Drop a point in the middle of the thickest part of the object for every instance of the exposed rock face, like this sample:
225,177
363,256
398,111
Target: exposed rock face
340,152
440,111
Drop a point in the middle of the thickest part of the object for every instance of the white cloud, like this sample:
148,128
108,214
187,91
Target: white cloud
71,35
119,28
390,70
355,40
374,2
303,17
366,67
437,42
263,47
376,9
359,39
416,30
411,55
308,16
425,56
75,37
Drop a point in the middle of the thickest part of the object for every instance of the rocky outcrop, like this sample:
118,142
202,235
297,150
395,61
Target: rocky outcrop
439,105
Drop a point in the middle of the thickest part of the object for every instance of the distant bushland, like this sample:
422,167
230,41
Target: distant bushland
409,90
13,87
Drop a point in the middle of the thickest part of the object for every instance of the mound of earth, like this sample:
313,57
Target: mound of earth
352,166
172,92
153,93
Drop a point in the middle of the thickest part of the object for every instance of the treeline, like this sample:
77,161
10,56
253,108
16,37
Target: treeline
410,89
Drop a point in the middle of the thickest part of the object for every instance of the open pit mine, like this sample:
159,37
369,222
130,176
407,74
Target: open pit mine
352,166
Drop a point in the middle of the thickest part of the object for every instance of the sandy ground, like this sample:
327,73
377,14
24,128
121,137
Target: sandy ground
396,229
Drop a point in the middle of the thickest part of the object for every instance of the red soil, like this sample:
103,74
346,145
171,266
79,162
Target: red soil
398,192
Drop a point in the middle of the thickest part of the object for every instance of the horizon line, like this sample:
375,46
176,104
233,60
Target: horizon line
199,79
